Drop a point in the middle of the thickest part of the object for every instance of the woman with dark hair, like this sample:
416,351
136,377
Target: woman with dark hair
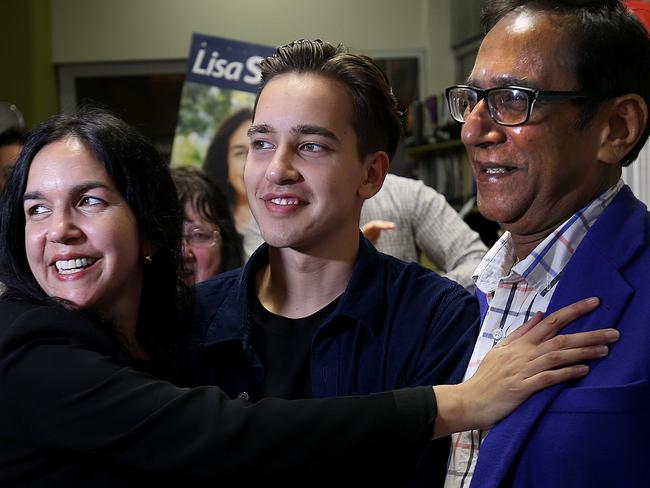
210,242
142,182
90,248
224,163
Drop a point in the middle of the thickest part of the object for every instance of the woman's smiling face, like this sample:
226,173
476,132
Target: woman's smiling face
81,237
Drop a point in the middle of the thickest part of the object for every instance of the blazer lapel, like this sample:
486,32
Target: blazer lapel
592,271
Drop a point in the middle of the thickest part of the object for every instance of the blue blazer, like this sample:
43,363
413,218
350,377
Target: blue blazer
594,432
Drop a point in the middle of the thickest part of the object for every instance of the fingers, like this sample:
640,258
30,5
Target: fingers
532,322
374,228
553,377
578,340
571,349
558,359
377,225
550,326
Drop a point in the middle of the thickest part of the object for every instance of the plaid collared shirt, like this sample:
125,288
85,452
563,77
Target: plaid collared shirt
514,292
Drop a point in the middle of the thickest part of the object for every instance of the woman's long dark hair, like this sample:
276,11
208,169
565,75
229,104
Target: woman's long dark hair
143,179
207,199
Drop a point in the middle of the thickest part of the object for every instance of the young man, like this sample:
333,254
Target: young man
317,311
556,104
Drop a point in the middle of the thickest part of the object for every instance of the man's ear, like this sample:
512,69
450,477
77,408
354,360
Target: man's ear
627,119
376,167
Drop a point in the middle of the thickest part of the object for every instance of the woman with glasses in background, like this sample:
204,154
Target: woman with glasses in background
211,244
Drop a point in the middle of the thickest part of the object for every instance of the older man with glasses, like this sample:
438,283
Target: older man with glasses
556,104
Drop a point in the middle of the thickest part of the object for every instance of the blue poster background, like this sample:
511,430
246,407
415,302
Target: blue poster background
225,63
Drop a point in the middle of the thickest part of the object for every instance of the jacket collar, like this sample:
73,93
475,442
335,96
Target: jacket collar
361,301
230,322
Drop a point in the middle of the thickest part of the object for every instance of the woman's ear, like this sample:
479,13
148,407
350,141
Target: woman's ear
376,167
626,121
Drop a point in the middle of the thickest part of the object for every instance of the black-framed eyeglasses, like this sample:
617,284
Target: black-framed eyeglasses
198,237
507,105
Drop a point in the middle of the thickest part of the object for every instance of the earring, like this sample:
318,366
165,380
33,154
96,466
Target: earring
148,259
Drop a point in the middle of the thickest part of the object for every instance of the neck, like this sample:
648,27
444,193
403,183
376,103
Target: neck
295,284
526,240
137,350
526,243
126,327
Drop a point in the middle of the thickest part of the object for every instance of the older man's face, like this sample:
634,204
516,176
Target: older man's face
532,177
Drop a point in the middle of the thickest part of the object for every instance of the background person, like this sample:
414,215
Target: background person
224,163
211,244
12,138
11,143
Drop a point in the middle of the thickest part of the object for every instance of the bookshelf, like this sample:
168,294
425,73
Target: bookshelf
444,166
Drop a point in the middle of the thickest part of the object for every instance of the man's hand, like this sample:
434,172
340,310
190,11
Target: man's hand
530,359
373,229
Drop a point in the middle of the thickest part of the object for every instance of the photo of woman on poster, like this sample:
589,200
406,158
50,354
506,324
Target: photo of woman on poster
224,163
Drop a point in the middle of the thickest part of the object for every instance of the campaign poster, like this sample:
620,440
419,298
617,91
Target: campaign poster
221,81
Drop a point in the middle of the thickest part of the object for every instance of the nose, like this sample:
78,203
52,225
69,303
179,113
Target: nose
188,255
281,169
62,228
479,129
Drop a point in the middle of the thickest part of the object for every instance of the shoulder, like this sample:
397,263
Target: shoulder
218,284
26,323
429,312
221,290
414,282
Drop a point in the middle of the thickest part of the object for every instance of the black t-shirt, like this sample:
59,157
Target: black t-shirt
284,347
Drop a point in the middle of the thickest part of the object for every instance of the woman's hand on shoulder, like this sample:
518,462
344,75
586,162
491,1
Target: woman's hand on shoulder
530,359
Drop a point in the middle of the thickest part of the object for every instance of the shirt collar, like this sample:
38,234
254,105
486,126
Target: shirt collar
542,267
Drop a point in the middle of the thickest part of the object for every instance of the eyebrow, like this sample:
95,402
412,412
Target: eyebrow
306,129
81,188
259,129
315,130
504,80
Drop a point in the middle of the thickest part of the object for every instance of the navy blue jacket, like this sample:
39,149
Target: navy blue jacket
396,325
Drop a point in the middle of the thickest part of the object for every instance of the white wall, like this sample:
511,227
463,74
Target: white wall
90,31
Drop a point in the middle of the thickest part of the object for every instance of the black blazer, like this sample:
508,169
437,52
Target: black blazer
74,410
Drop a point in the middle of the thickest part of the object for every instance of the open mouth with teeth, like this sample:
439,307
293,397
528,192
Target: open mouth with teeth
285,201
499,170
71,266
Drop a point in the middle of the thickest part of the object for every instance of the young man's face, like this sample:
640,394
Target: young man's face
532,177
303,173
